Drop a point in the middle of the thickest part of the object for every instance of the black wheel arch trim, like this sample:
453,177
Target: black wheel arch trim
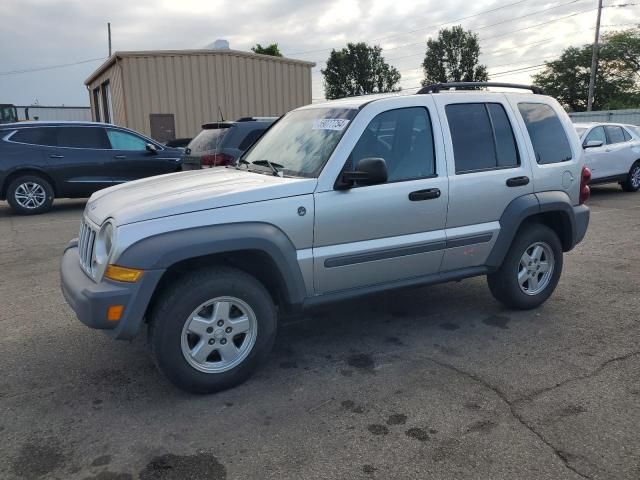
160,252
532,204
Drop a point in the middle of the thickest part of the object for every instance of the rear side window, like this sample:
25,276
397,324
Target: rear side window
82,137
482,137
627,136
597,134
549,140
251,137
208,140
615,134
35,136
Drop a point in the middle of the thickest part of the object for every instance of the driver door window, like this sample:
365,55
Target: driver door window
597,134
125,141
404,139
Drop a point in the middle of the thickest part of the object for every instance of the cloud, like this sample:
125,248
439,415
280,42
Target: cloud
37,33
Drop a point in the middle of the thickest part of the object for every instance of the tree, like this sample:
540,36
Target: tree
617,77
453,57
358,69
271,49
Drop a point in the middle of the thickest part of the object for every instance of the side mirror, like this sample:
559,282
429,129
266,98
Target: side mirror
369,171
151,148
592,144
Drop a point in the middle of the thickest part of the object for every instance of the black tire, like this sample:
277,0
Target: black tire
181,298
35,180
628,184
504,283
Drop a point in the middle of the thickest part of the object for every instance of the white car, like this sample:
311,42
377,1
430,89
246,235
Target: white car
612,152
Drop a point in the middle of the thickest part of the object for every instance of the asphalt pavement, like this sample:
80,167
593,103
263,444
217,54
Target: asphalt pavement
432,383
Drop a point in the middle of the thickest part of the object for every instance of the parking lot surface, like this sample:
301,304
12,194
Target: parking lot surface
438,382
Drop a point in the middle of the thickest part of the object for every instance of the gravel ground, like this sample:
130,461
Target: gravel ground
438,382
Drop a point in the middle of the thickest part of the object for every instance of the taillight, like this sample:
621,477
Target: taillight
216,160
585,178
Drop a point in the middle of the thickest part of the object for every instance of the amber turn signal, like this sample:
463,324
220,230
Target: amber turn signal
123,274
114,313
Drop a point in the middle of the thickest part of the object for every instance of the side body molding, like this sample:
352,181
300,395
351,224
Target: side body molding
525,206
160,252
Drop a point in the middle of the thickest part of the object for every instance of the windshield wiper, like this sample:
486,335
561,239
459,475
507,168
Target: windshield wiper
272,165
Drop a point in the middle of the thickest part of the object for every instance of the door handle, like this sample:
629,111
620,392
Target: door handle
56,156
517,181
120,157
427,194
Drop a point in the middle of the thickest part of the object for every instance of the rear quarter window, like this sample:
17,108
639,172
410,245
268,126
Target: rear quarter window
549,140
35,136
251,137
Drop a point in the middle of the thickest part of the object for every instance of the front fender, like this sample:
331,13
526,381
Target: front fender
160,252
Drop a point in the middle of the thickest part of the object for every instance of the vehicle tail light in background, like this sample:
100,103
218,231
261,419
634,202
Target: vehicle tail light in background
216,160
585,178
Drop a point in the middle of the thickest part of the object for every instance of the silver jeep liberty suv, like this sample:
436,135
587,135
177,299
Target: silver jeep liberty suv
336,200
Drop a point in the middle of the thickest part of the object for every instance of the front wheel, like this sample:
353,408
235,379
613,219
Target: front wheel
531,270
30,195
632,183
212,329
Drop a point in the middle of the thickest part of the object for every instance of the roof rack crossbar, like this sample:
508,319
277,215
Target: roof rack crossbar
436,87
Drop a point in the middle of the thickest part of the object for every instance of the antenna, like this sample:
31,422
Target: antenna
220,111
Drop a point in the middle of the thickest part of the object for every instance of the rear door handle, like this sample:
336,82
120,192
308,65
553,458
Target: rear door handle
56,156
517,181
427,194
120,157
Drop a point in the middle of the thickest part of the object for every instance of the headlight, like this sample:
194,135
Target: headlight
104,244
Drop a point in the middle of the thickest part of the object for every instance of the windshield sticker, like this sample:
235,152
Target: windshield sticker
330,124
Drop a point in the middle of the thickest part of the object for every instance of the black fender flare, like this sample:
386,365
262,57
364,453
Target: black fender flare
527,206
160,252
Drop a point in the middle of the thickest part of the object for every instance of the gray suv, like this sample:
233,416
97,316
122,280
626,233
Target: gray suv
336,200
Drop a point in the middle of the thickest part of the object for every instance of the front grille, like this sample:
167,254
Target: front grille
86,241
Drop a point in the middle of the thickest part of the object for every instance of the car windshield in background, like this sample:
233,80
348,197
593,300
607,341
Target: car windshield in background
302,141
207,140
581,131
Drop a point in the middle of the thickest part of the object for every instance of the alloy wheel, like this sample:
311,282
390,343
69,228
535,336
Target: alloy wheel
219,334
30,195
536,268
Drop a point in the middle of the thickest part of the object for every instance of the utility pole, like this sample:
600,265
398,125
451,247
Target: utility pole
109,31
594,59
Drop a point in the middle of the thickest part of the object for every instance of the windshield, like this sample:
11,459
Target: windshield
302,141
207,140
635,129
8,114
581,130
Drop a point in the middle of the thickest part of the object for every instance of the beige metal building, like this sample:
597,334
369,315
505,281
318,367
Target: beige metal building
170,94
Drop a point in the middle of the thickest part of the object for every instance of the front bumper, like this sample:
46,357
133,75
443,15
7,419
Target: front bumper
91,300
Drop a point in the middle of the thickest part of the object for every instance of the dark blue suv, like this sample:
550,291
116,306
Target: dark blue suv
40,161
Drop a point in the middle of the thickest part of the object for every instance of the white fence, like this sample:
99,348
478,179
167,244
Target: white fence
42,113
630,116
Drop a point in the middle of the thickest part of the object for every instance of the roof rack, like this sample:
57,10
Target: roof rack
436,87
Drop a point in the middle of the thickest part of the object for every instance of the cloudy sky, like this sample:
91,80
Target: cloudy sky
516,36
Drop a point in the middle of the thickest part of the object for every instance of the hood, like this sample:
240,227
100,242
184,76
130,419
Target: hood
190,191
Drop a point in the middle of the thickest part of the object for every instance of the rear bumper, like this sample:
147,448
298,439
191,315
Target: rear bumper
581,215
90,300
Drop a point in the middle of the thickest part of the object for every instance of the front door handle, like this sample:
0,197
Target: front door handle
120,157
427,194
517,181
56,156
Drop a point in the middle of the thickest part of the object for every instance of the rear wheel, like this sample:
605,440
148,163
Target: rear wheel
212,329
30,195
632,183
531,269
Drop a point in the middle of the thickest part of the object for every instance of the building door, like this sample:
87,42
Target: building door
163,126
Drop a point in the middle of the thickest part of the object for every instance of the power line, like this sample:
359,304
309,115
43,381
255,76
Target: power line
422,28
50,67
502,22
